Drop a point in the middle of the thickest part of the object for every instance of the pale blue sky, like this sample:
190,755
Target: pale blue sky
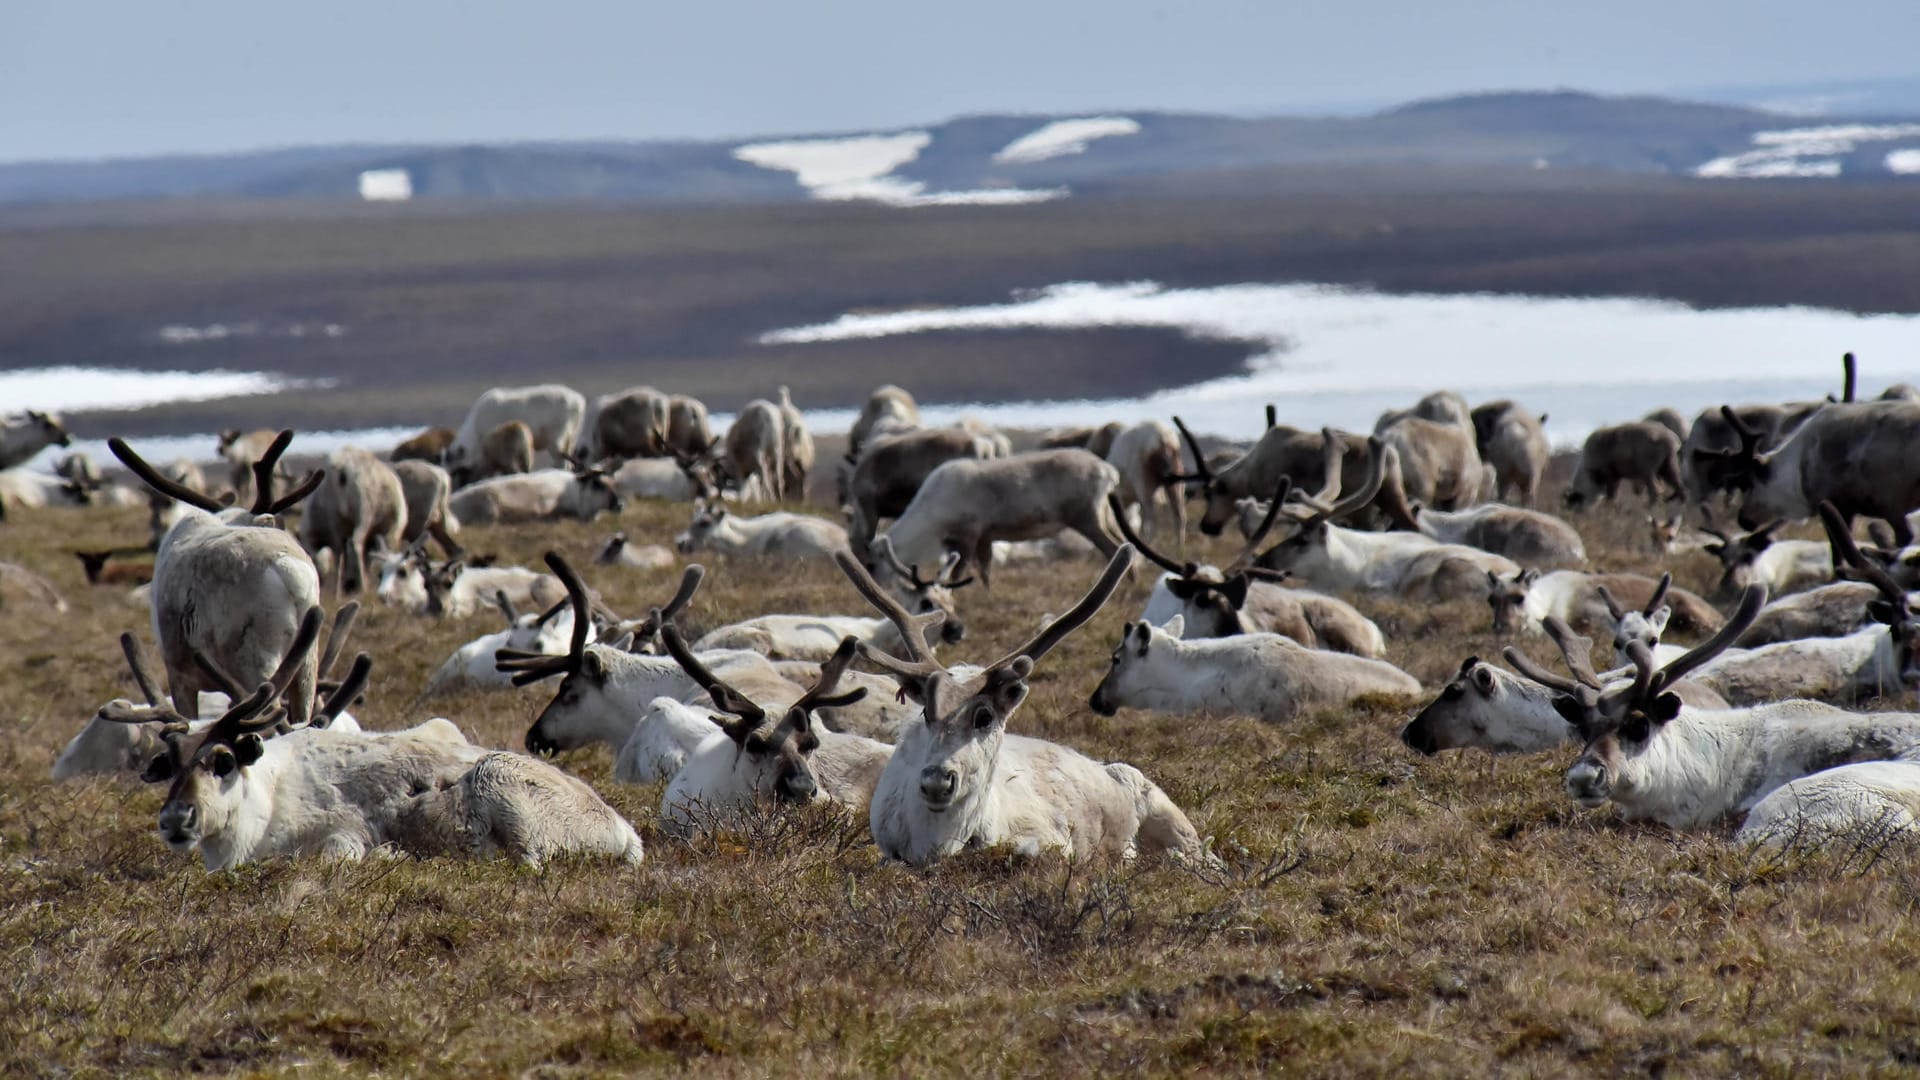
84,78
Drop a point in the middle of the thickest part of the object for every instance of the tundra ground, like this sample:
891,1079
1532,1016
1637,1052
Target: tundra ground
1380,913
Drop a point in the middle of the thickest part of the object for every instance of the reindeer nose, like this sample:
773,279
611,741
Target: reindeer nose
953,632
1419,736
798,787
1099,703
938,785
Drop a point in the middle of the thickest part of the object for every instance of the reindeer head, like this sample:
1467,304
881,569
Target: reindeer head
593,492
206,768
582,700
265,510
1645,625
775,747
1507,596
708,516
51,429
1130,661
1620,724
1747,469
967,718
1738,555
1208,485
917,594
1213,597
1472,710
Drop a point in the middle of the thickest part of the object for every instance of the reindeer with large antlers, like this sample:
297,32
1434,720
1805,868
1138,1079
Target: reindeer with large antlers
1242,598
230,584
604,687
779,752
239,792
1330,556
1656,756
959,779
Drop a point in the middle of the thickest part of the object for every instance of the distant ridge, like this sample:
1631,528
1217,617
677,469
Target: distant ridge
1565,129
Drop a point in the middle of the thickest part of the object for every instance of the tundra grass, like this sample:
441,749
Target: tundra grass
1378,912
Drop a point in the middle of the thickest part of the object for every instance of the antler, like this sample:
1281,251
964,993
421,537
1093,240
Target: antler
919,663
343,695
1057,629
1613,606
142,673
725,698
648,628
1844,546
1659,594
159,481
337,635
1377,451
1249,550
820,694
531,668
1165,563
1575,650
1751,601
1850,372
1202,472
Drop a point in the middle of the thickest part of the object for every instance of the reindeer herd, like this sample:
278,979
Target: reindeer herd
1759,721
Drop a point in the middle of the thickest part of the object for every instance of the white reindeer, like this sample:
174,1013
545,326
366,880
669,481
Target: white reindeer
1756,558
472,666
778,535
553,412
238,796
414,582
1264,675
229,584
24,434
959,780
1867,805
546,495
768,753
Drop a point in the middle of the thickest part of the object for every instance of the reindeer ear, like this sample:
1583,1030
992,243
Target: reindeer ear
248,748
1664,708
1571,711
1658,620
1493,580
1236,591
1882,612
593,665
1181,588
1714,549
159,769
1483,678
1528,577
1175,627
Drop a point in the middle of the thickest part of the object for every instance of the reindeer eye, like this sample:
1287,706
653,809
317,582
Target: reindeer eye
222,762
160,768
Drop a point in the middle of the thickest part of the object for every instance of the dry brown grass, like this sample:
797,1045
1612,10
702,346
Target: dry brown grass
1381,913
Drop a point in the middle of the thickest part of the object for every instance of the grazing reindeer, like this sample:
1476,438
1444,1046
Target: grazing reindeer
229,584
1856,456
1642,453
1513,441
1264,675
22,435
1147,456
889,410
754,452
886,477
556,414
966,505
359,510
959,780
797,444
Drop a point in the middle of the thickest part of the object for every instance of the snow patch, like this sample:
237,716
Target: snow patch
1064,137
1904,162
859,167
386,185
1811,151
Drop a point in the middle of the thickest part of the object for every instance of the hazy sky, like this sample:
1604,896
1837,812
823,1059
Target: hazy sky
81,78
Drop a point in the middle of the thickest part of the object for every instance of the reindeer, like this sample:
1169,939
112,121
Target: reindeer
1147,456
753,453
429,446
635,423
1521,599
241,449
1243,598
889,410
768,751
682,477
358,510
1513,441
1882,659
887,476
603,685
556,415
967,505
1299,456
1097,441
1756,558
428,490
618,552
1530,538
1856,456
689,433
1641,453
238,794
769,536
453,589
21,584
537,496
1834,610
24,434
1655,758
959,780
507,450
1670,419
228,583
815,637
104,747
1867,805
472,666
797,448
1339,559
1264,675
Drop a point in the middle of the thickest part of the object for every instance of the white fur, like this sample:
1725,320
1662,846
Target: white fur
1867,804
777,535
554,412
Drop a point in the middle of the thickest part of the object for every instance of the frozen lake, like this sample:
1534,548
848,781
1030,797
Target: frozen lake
1321,355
